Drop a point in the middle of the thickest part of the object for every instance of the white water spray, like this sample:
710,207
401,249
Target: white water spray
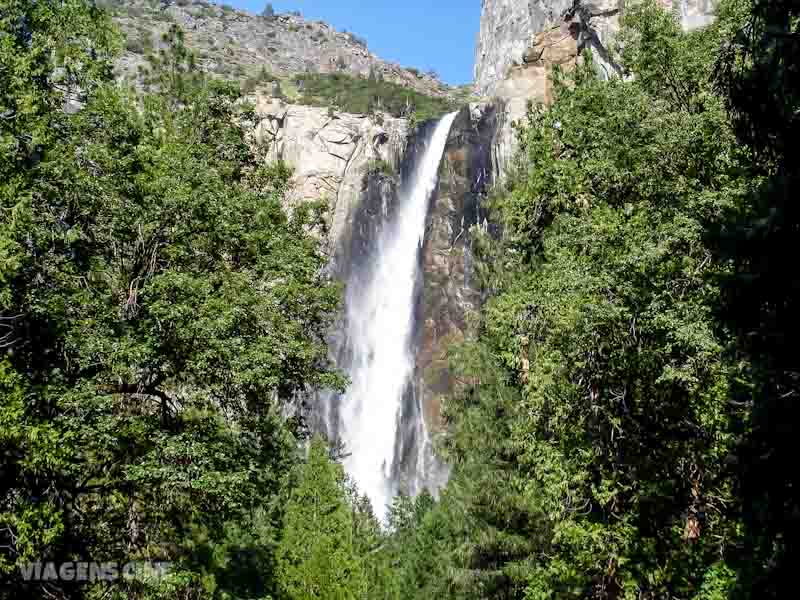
380,327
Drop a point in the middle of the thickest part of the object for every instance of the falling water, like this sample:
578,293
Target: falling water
379,331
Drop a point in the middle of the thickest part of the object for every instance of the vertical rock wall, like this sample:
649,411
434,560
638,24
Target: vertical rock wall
334,156
449,290
508,28
331,153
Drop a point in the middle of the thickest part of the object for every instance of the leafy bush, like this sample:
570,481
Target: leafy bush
380,167
130,231
362,96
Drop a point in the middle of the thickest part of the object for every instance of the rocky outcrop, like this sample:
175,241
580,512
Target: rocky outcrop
521,41
530,82
508,29
235,44
331,154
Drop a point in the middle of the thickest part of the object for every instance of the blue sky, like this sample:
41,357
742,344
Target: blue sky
426,34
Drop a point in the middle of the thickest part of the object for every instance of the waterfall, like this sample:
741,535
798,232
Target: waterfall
374,420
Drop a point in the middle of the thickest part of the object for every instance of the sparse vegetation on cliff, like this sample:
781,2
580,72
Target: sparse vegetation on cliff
231,41
367,95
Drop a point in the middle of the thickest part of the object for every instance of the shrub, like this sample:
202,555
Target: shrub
380,166
263,76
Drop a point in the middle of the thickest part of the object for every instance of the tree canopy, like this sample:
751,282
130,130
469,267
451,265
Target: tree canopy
158,309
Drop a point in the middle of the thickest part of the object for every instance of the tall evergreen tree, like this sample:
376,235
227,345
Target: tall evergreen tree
316,557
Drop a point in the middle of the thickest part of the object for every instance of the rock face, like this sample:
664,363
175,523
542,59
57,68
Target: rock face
522,40
331,153
530,82
446,289
334,155
449,290
508,29
235,44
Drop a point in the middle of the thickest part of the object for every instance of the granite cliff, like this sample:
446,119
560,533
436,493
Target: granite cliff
509,29
520,41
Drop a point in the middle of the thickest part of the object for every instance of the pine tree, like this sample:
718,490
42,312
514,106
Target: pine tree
317,558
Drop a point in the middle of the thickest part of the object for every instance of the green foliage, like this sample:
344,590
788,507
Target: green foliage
758,73
158,307
362,96
624,422
380,167
173,71
316,557
263,76
593,432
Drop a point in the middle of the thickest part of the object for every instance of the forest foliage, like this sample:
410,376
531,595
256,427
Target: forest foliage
624,423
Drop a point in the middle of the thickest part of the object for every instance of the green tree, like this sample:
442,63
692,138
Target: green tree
316,557
158,308
173,71
759,75
591,439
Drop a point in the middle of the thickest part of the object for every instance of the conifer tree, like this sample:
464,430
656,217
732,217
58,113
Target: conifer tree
316,557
